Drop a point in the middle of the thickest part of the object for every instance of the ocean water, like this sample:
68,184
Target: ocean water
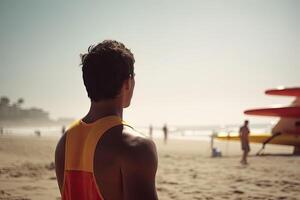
186,133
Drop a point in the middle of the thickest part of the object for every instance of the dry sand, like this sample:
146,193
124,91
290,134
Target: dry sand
186,171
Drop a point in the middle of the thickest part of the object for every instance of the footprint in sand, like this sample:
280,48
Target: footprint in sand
7,196
4,194
169,182
238,192
28,187
52,178
263,183
239,180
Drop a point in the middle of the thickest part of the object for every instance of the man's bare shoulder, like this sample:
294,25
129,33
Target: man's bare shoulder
135,140
138,166
137,148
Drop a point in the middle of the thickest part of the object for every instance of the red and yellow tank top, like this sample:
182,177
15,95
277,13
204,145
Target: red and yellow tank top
81,141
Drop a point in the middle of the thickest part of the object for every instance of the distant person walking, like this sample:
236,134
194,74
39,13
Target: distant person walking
37,133
150,131
165,130
244,137
63,130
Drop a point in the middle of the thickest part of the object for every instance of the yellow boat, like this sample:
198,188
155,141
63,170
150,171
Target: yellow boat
283,139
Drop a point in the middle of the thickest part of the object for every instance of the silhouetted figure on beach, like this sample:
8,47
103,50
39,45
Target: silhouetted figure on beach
37,133
244,137
165,130
1,131
63,130
100,156
150,131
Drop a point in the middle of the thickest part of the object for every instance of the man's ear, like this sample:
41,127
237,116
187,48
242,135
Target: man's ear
127,84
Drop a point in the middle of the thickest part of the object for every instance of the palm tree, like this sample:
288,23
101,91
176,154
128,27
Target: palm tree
4,101
20,102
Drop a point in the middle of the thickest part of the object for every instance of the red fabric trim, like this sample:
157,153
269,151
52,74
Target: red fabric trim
80,185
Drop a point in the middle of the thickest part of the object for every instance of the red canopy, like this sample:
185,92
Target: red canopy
295,92
291,111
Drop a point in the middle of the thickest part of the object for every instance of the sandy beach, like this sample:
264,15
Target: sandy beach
185,171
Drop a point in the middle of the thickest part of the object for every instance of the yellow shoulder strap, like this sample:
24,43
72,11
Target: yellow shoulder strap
82,140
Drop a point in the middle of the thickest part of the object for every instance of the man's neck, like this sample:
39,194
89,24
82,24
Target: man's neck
101,109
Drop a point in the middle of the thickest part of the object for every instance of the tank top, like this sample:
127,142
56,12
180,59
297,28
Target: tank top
81,141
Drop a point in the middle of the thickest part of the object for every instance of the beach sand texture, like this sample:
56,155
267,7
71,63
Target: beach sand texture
185,171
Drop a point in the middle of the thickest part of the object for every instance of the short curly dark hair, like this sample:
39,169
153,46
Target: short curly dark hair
105,68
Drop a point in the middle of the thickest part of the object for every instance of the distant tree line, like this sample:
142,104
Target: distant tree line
14,111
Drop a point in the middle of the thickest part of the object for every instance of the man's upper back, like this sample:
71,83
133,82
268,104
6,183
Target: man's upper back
124,166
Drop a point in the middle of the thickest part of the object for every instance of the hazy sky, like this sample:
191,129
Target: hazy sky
197,62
